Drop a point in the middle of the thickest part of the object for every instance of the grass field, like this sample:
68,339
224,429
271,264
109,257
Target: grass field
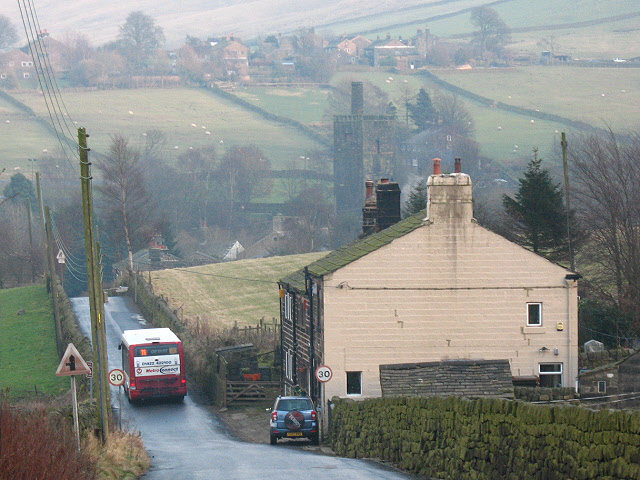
304,104
174,112
244,291
601,39
28,357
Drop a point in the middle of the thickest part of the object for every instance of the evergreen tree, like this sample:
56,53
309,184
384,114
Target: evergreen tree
423,112
417,200
538,213
20,189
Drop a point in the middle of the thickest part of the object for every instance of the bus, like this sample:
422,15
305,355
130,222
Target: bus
153,364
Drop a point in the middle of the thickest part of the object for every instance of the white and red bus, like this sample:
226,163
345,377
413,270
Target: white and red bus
153,364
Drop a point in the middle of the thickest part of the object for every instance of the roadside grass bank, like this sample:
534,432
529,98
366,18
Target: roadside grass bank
28,353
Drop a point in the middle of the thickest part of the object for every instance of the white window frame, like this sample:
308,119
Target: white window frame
347,383
288,364
559,373
529,306
288,307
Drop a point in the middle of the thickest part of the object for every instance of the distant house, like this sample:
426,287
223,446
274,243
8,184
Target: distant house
430,290
392,52
155,257
15,64
56,52
229,251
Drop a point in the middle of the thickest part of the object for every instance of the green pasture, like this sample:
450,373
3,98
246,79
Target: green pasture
21,138
304,104
223,293
28,356
189,118
608,40
598,96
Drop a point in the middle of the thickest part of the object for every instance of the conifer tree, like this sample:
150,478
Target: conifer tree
423,112
538,214
417,200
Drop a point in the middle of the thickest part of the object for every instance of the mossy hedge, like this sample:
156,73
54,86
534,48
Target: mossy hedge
489,439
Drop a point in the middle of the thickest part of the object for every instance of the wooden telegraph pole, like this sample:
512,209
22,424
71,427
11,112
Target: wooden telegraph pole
94,274
47,274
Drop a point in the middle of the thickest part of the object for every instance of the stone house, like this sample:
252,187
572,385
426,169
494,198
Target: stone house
15,64
393,52
435,287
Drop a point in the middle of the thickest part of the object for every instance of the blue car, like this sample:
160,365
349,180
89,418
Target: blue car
293,417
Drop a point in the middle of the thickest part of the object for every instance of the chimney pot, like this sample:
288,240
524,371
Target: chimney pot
436,166
369,185
458,165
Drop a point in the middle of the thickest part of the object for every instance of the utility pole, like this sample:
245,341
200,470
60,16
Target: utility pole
47,273
96,305
52,269
33,276
565,164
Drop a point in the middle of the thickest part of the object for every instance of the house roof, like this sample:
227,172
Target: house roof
353,251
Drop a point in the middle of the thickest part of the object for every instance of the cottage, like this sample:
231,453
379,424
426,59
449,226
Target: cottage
435,287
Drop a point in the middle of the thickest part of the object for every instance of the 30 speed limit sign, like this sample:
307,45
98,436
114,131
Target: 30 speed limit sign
116,377
323,373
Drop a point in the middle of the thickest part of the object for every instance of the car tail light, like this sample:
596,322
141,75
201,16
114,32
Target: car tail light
313,415
274,416
132,386
184,381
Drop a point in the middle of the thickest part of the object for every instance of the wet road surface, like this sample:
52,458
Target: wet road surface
187,442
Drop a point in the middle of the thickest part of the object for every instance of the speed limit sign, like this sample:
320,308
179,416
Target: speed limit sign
323,373
116,377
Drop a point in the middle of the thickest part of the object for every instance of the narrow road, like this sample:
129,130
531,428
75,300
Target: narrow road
187,442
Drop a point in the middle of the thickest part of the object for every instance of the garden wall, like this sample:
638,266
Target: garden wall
489,439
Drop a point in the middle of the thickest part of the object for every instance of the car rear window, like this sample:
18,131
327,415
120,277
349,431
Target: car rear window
294,404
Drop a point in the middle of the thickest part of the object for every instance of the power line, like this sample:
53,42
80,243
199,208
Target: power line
46,79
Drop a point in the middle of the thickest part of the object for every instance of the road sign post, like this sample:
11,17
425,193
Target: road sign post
73,364
116,378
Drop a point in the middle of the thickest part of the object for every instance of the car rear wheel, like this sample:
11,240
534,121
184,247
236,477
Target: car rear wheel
315,440
273,439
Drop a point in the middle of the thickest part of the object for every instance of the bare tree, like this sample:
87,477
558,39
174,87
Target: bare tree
453,114
606,175
8,34
140,37
492,33
125,199
247,173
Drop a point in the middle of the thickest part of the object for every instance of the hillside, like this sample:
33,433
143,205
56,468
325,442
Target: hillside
223,293
596,26
28,348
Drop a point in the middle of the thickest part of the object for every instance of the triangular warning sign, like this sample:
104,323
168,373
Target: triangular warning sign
72,363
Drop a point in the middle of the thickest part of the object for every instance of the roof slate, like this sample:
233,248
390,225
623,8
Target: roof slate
353,251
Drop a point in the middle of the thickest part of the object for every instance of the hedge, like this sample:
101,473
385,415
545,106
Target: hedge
489,439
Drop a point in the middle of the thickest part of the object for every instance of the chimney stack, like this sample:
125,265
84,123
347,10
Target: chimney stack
449,196
436,166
